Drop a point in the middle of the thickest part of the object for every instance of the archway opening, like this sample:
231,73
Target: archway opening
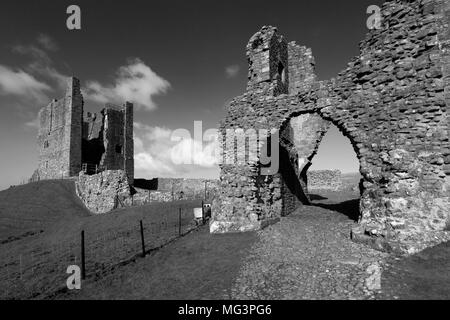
318,166
333,177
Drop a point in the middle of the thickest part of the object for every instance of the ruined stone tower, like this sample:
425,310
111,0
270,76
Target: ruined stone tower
391,102
68,142
60,132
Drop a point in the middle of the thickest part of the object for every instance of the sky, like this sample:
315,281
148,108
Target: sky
178,61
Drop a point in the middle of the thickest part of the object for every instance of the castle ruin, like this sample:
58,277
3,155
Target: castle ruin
70,142
391,102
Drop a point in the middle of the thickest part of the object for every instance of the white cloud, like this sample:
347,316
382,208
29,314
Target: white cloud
158,154
189,151
33,124
232,71
36,53
41,64
39,49
135,82
47,42
153,166
22,84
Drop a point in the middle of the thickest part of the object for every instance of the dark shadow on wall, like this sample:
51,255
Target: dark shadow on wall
93,151
292,191
146,184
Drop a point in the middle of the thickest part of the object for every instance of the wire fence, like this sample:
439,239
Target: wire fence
40,271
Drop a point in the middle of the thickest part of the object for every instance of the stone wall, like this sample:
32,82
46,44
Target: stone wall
142,196
111,189
391,102
128,148
103,192
59,136
108,139
308,131
113,138
179,188
329,180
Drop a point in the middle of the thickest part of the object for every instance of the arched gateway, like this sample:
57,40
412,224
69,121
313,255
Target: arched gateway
391,102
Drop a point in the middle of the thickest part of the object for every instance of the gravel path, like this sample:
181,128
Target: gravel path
309,255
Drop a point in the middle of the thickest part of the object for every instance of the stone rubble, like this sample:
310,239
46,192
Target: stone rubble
101,192
324,180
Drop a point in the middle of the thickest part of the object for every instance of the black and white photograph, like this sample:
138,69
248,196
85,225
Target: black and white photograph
240,153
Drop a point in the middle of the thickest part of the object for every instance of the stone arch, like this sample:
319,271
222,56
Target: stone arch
391,101
314,127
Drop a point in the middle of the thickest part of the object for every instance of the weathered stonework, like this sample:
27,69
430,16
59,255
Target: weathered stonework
172,189
188,188
69,142
329,180
391,102
59,136
103,192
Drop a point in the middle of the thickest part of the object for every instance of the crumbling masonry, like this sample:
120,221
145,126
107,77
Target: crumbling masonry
391,102
70,143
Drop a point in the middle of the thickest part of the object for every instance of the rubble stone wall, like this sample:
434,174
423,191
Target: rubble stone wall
181,188
329,180
101,192
391,102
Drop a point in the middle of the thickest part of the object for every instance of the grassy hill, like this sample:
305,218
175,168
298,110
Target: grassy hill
40,226
37,206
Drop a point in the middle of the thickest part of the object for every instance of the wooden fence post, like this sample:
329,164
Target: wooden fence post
83,257
173,195
142,238
21,267
203,212
179,222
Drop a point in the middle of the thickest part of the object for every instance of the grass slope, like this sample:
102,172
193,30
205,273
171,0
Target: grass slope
199,266
37,206
41,225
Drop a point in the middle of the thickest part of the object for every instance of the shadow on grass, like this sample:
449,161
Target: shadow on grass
314,197
349,208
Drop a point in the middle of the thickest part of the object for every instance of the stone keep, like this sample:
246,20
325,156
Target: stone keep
59,136
391,102
68,141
